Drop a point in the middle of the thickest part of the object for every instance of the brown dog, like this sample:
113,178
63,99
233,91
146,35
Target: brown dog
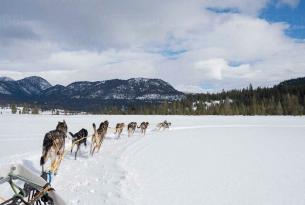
131,128
143,126
119,129
163,125
98,136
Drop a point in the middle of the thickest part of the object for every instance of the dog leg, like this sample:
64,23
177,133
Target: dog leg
56,165
53,164
59,157
72,147
93,150
78,145
91,146
98,149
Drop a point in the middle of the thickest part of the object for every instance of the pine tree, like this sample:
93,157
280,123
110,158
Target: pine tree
25,110
227,107
35,110
293,105
14,108
279,108
253,106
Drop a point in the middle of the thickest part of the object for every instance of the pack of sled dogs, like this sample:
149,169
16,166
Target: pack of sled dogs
53,146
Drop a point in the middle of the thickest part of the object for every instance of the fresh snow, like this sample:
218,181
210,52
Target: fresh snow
138,80
158,96
200,160
8,111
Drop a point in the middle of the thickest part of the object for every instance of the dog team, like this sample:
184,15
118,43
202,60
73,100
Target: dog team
53,146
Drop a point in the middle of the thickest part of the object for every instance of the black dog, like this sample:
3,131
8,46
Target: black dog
78,139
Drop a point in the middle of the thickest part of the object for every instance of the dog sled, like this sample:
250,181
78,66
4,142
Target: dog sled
27,188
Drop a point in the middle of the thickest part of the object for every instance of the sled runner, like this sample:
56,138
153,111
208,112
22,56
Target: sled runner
35,190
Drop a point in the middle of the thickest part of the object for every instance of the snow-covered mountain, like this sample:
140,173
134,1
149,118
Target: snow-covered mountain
135,89
5,79
30,86
33,85
132,89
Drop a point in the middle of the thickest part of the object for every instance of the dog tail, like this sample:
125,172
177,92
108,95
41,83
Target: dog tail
42,160
94,127
71,134
46,146
44,155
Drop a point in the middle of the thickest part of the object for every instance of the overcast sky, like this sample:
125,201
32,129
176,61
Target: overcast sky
196,45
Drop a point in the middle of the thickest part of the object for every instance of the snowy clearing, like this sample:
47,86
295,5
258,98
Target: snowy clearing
200,160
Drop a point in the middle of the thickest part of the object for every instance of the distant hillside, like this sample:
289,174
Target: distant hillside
293,82
87,96
286,98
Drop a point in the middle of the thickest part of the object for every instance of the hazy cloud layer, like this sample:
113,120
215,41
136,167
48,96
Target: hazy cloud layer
196,45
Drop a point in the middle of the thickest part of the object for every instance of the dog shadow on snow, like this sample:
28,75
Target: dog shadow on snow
82,154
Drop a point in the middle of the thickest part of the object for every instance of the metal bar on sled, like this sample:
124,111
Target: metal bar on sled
18,172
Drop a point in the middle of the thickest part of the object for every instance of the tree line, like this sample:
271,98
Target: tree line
25,109
287,98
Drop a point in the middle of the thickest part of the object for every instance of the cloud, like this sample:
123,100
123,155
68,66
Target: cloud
212,68
185,43
192,89
219,68
67,66
247,6
291,3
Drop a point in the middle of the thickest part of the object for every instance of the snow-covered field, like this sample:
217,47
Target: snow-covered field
200,160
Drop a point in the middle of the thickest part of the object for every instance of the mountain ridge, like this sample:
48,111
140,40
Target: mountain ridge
35,89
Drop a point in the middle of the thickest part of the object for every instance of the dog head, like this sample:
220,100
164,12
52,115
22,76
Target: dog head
101,125
84,132
62,126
